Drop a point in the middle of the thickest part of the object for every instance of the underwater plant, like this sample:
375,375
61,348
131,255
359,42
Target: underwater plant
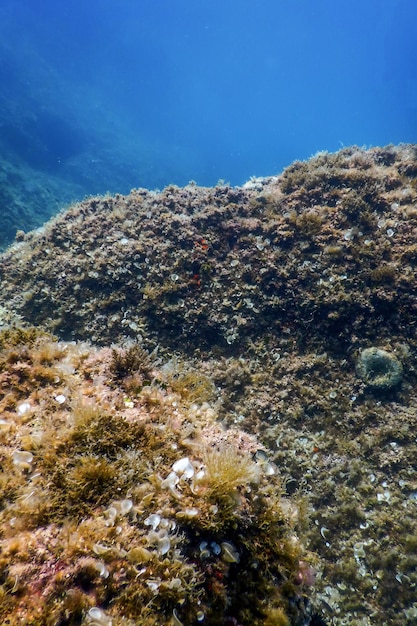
106,522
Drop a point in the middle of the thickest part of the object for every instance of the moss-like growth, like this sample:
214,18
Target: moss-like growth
307,223
226,470
276,617
191,384
129,361
106,516
384,274
22,336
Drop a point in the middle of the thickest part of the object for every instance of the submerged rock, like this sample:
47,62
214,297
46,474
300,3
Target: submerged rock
237,315
106,505
318,255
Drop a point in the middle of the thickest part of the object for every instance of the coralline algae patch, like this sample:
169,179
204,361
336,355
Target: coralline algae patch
134,510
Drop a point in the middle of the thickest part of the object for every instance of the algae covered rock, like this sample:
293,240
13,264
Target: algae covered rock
216,269
119,510
379,369
169,476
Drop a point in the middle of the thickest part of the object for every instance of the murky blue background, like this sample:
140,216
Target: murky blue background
113,94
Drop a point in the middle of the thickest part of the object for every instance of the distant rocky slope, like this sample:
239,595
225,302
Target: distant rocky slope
29,197
53,149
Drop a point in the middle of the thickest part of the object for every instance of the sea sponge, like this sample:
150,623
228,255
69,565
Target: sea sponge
379,369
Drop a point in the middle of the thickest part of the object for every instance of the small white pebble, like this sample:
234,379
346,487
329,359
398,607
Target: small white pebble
126,506
229,553
190,512
153,585
97,617
175,619
170,481
102,569
100,549
95,613
60,399
268,469
110,515
164,545
383,497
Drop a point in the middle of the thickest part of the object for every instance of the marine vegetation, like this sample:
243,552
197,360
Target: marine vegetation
247,398
126,511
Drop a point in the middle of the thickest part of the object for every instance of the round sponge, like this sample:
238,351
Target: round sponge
379,368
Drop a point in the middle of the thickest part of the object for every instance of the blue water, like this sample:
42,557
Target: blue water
113,94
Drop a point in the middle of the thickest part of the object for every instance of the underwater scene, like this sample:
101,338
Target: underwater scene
208,342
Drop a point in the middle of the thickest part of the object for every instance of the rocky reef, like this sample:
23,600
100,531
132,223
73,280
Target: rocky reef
328,245
251,324
123,501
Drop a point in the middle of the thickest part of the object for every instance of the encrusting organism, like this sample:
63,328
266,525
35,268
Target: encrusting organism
379,369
